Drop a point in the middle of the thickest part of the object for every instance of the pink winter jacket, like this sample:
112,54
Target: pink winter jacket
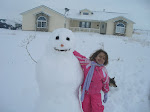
100,79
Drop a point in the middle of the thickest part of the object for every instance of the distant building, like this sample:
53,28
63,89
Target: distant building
43,18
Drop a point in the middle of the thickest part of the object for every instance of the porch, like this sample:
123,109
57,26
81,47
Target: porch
80,29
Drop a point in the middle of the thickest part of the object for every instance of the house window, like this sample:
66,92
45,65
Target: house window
82,24
85,24
41,22
120,28
85,13
103,26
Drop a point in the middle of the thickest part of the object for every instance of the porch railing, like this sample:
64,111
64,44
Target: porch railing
76,29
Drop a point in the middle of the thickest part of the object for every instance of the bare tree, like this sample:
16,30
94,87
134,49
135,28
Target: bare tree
26,43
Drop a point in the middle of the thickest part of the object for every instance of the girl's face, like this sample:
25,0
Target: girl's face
100,58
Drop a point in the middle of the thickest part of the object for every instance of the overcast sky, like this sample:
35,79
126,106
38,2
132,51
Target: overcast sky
140,9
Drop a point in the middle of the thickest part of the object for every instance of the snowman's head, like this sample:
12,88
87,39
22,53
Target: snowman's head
62,40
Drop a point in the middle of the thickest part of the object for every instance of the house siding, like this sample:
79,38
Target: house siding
55,20
111,29
129,30
95,25
74,23
28,22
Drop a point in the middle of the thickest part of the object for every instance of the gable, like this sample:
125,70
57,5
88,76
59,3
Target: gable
40,9
121,18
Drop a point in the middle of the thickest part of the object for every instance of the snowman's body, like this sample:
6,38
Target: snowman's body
59,77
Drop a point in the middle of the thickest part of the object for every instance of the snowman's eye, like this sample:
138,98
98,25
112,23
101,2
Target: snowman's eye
68,38
57,38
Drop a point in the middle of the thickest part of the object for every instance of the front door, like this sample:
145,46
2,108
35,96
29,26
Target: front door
103,27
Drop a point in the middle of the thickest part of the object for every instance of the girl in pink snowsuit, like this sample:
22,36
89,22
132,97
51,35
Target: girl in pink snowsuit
95,80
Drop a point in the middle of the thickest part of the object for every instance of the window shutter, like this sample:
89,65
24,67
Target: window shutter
80,24
90,25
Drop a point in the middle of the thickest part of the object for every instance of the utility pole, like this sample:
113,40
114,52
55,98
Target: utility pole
66,10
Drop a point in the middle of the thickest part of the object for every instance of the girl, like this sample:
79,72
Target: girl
95,80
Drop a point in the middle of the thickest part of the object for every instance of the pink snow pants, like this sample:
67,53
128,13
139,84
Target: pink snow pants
92,103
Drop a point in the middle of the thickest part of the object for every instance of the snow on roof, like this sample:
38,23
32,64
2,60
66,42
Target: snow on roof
96,16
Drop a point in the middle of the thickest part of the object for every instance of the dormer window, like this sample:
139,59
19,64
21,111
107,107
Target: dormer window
85,13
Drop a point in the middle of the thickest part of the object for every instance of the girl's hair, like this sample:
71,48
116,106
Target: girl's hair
93,56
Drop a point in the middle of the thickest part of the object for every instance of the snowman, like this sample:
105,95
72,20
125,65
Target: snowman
59,75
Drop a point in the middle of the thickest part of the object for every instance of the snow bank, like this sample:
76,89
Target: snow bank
129,60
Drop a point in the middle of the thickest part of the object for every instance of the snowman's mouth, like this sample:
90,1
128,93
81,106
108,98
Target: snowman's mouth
61,50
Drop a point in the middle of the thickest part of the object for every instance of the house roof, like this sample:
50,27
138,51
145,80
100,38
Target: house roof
121,17
41,6
96,16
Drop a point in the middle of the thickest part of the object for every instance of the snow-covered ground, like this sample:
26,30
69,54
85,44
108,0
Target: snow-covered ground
129,60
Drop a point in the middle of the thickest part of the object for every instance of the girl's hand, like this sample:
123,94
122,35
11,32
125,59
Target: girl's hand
105,97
